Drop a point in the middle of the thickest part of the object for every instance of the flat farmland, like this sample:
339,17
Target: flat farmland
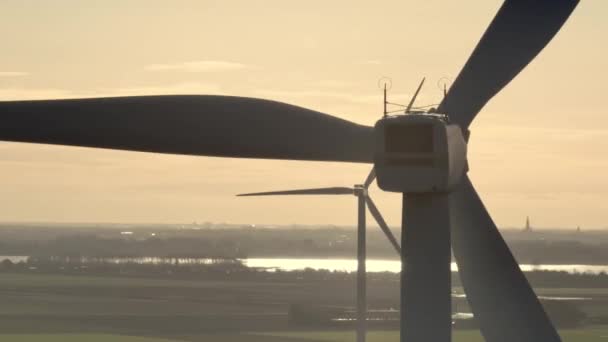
48,307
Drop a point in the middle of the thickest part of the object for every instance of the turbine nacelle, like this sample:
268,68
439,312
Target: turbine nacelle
419,153
360,190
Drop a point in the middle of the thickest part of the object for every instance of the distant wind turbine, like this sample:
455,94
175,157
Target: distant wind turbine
363,199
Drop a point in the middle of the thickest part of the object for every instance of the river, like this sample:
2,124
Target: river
345,265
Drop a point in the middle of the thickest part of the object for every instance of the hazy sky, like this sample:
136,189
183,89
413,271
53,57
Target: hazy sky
540,148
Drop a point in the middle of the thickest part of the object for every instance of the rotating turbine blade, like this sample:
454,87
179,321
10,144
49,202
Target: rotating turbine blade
319,191
370,178
499,294
380,220
520,30
222,126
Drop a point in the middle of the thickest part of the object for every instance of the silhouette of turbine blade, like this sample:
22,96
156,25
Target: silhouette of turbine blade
370,178
318,191
499,294
380,220
520,30
222,126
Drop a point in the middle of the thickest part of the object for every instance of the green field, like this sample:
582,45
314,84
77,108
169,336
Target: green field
589,335
76,338
41,307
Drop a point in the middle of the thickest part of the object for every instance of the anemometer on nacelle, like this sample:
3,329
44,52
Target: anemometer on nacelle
418,151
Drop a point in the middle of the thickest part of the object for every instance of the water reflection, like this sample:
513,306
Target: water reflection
13,258
394,266
569,299
293,264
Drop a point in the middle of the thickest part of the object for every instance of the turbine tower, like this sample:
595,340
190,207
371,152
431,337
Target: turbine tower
422,156
363,200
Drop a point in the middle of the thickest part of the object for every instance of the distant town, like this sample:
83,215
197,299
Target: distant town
223,240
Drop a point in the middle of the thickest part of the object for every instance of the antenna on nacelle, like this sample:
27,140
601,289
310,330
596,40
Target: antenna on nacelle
442,84
385,99
409,106
385,84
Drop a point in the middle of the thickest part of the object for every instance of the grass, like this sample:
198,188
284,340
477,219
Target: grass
77,338
43,307
589,335
60,280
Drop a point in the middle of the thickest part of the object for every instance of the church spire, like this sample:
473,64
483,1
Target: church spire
528,228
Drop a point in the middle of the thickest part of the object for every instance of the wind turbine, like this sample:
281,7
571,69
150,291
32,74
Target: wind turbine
423,157
363,200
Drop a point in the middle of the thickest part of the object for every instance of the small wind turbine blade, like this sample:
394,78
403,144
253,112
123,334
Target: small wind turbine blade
318,191
501,298
380,220
370,178
409,106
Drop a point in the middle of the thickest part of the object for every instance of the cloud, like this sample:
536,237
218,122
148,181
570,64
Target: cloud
16,94
13,73
187,88
332,84
318,94
52,155
198,66
370,62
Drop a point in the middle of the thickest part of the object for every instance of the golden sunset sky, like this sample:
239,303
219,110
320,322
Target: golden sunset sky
540,148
